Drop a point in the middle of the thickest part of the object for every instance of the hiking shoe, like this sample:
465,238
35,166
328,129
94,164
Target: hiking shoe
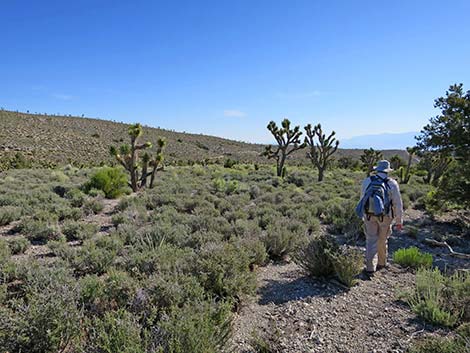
382,267
367,275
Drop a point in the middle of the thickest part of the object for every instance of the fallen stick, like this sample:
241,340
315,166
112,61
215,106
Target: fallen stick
444,244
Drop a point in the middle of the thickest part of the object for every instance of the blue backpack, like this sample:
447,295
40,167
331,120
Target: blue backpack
376,200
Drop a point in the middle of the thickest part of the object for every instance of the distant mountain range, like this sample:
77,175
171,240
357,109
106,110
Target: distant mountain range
384,141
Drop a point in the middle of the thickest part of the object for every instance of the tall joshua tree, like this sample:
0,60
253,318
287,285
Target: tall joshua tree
157,161
288,141
369,158
321,151
128,157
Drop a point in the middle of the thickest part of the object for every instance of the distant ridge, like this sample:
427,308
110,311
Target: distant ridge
383,141
52,140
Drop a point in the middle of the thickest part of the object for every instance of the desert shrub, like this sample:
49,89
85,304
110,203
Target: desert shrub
439,299
119,288
196,327
5,252
168,290
93,206
296,179
316,257
458,344
39,230
282,237
9,214
255,249
412,257
116,331
97,256
166,259
79,230
46,318
254,191
76,197
92,293
68,213
18,245
348,264
342,217
229,163
112,181
223,269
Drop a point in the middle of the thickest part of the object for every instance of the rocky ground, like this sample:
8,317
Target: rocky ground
294,313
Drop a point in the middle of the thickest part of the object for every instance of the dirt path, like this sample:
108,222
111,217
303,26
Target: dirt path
299,314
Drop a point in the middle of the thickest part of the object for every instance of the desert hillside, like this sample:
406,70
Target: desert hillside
58,140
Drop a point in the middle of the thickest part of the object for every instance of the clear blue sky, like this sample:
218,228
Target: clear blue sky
227,68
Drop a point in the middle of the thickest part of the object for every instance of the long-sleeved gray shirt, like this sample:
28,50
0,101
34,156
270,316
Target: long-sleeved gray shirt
397,203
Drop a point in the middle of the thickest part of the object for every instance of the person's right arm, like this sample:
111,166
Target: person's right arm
397,204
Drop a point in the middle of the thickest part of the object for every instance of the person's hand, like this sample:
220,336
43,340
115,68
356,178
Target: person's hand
399,227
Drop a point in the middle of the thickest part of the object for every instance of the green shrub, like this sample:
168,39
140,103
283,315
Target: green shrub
9,214
172,289
39,230
224,270
112,181
316,257
116,331
347,265
196,327
46,318
440,345
79,230
283,237
76,197
119,288
439,299
5,253
342,217
18,245
412,257
93,206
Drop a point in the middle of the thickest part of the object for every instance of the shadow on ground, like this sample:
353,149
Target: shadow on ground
280,292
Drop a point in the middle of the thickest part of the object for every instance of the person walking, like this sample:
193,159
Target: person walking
380,207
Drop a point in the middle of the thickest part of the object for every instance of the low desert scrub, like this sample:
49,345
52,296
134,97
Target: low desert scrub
283,237
79,230
412,257
196,327
9,214
460,343
116,331
224,270
439,299
315,258
348,263
18,245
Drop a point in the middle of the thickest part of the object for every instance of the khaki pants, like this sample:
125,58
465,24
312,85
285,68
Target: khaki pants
377,232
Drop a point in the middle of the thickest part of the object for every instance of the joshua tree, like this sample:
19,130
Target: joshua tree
396,161
369,158
405,173
157,161
435,164
321,151
128,157
288,141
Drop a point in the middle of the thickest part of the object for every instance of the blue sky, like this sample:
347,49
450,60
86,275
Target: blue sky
227,68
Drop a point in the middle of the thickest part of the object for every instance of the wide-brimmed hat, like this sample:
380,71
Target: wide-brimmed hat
383,166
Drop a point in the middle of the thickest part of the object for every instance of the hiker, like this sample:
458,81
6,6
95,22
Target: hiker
379,207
